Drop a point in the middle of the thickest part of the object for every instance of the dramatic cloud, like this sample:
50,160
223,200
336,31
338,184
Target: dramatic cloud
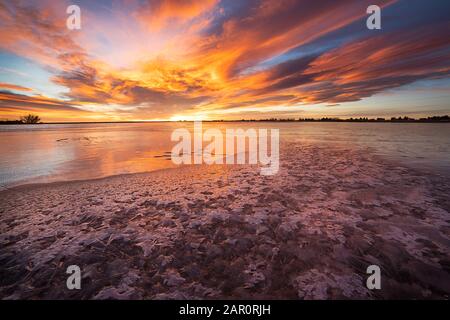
9,86
173,59
36,32
365,67
158,14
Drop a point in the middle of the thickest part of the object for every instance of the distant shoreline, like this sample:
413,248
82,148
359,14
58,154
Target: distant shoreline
444,119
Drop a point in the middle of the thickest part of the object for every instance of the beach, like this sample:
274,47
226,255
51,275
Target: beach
226,231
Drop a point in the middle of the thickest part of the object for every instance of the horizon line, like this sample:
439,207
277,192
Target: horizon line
444,118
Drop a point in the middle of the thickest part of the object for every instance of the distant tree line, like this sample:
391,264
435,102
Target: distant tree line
445,118
28,119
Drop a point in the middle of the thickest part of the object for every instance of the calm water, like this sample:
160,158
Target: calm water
47,153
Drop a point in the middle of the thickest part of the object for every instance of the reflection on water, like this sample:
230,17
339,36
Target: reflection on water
46,153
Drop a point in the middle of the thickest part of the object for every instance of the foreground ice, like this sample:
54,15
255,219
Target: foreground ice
206,232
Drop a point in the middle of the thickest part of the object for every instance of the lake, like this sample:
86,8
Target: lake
60,152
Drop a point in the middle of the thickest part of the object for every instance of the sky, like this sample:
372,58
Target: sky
135,60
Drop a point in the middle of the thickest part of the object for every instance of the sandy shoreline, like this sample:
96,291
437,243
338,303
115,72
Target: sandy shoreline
206,232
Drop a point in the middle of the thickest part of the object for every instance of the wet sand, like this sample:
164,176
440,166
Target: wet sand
209,232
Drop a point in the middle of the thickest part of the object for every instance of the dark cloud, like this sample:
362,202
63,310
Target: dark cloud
24,102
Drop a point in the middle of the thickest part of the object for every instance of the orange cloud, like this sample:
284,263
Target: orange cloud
38,33
364,68
10,86
157,14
